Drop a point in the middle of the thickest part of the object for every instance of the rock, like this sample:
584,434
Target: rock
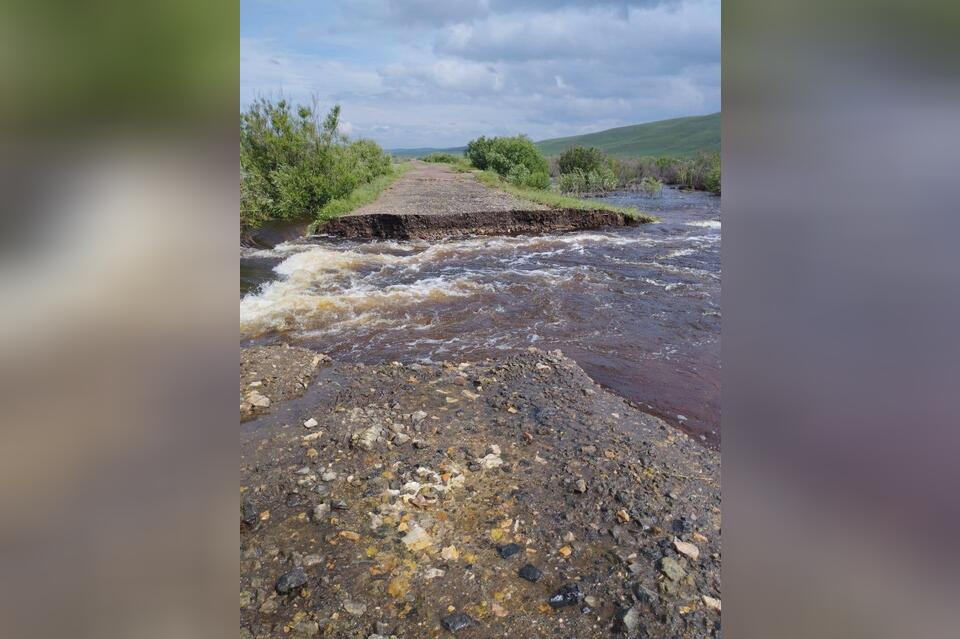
450,553
569,595
672,569
367,438
565,551
354,608
307,627
291,581
260,401
433,573
509,550
270,606
456,621
630,619
339,504
245,633
417,538
623,516
687,549
489,461
531,573
349,534
400,439
310,561
419,444
579,486
329,475
711,603
493,449
248,513
418,417
589,450
644,595
397,587
320,512
246,598
310,423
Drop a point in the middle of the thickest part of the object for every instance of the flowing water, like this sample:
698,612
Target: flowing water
638,308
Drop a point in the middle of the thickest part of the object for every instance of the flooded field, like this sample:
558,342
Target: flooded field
638,308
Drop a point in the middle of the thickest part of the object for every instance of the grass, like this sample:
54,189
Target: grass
679,137
557,201
360,196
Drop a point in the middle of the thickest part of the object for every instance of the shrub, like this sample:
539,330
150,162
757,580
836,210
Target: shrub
651,186
292,164
439,156
584,158
504,155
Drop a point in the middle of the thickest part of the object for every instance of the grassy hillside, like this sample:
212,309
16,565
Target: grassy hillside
677,137
422,151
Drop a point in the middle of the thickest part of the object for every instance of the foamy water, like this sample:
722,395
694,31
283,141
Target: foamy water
638,307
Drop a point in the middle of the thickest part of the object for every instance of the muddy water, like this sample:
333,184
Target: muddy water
638,308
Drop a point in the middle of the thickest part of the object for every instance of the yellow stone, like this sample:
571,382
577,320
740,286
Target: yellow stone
372,551
349,534
497,534
265,515
566,551
397,587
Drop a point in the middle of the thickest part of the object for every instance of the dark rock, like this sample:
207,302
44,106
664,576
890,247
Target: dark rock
291,581
456,621
643,594
569,595
629,619
509,550
530,573
338,504
248,513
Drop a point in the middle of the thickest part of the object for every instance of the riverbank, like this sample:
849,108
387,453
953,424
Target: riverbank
505,497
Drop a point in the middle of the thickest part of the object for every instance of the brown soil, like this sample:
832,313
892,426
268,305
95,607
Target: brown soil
397,511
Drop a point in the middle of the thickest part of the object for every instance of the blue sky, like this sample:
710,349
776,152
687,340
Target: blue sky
411,73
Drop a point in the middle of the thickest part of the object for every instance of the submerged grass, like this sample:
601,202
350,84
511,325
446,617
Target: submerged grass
361,196
557,201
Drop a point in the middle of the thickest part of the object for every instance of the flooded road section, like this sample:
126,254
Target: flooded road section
638,308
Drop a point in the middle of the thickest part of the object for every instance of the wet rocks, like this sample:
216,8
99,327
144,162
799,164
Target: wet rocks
291,581
509,550
417,538
258,400
531,573
456,621
568,595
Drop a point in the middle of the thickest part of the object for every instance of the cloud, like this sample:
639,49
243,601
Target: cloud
431,73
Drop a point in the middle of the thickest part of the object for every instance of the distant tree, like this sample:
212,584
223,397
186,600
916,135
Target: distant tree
580,157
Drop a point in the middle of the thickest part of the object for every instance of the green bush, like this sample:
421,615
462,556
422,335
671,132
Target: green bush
515,158
292,164
651,186
598,180
584,158
439,156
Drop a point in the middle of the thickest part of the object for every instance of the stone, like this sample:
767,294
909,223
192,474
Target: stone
686,548
417,538
309,561
291,581
397,587
329,475
565,551
433,573
630,618
672,569
509,550
569,595
354,608
320,512
489,461
349,534
531,573
456,621
643,594
258,400
450,553
307,627
248,513
711,603
310,423
579,486
623,516
418,417
400,439
367,438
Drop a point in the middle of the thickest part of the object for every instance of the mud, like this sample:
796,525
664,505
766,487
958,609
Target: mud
394,514
456,225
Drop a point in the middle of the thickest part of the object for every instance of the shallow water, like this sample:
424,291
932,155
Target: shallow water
638,308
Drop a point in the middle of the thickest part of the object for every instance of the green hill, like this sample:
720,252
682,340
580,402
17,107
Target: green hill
676,137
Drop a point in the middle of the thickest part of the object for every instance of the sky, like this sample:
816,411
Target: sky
437,73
